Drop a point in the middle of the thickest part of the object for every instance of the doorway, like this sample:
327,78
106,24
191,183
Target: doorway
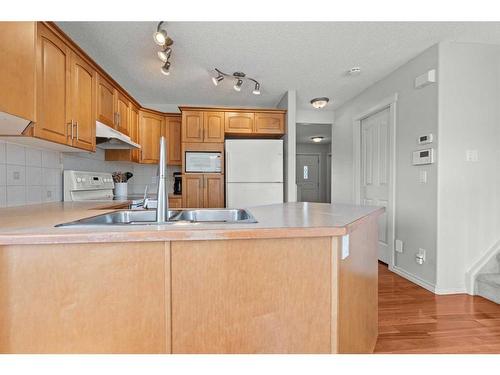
313,162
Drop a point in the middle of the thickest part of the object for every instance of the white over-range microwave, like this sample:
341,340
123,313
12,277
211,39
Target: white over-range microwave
203,162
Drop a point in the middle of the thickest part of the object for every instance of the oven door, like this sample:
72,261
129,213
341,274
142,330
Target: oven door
203,162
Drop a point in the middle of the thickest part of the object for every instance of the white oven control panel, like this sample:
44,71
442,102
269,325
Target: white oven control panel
82,185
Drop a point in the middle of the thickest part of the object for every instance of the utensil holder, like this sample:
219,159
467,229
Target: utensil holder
121,189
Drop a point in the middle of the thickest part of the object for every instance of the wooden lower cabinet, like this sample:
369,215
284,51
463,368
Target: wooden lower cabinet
85,298
203,190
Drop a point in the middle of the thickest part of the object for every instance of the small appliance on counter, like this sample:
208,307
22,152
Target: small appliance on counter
177,183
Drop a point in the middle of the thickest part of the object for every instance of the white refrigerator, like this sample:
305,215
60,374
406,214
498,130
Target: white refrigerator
254,172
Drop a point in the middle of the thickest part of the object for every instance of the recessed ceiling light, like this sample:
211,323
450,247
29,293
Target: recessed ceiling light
317,139
319,102
354,71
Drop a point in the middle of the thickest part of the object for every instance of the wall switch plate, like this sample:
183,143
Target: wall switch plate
16,175
472,155
399,246
425,79
345,246
422,177
420,257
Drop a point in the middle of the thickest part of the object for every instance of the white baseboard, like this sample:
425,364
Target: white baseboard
450,290
414,279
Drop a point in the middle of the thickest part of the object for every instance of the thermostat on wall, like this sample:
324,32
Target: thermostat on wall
422,157
425,139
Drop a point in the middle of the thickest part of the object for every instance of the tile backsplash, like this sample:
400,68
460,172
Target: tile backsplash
28,175
31,176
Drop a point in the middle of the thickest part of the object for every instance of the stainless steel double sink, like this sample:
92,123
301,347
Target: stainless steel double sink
148,217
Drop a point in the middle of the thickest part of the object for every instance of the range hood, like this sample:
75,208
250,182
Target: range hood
109,139
12,125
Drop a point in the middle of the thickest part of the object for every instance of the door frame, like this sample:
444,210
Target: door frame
391,104
318,154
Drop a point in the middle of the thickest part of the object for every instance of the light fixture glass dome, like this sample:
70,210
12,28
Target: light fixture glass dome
317,139
319,102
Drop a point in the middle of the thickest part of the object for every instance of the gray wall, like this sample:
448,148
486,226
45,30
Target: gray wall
289,102
416,203
469,192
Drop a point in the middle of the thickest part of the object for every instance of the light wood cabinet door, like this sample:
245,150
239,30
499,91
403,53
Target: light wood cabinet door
53,88
18,68
173,135
192,126
213,127
175,202
150,127
269,123
213,191
192,190
105,101
122,113
83,103
239,122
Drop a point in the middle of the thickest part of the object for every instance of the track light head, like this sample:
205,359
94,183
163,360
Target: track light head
217,79
256,90
237,85
160,37
164,54
165,69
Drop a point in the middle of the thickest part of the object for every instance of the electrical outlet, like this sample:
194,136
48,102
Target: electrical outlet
16,175
422,177
472,155
420,257
399,246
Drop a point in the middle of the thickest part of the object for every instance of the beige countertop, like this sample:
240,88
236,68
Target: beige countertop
34,224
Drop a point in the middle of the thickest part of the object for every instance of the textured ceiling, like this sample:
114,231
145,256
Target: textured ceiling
310,57
306,131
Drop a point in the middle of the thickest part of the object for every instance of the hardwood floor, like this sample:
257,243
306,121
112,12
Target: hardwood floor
414,320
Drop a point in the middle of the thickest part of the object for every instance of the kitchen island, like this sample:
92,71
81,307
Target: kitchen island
303,279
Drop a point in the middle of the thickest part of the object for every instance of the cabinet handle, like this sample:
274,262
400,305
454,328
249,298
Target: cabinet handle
76,124
70,129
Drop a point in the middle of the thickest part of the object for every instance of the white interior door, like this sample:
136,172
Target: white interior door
375,174
307,178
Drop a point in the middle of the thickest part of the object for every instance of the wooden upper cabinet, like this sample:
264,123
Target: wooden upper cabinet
83,103
239,122
192,190
269,123
213,127
18,68
192,126
122,113
150,128
53,88
173,135
105,101
213,191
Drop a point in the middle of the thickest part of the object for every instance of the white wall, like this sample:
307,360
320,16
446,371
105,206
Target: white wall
416,204
314,116
469,192
289,102
323,150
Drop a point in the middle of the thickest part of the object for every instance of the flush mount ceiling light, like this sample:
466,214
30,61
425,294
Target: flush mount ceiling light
239,78
317,139
162,39
354,71
319,102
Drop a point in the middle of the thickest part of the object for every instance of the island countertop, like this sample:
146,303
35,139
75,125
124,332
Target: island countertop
34,224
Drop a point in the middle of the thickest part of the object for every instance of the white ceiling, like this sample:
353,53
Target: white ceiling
306,131
310,57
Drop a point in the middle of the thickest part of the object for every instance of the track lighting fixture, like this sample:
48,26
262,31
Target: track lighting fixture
162,39
238,77
165,69
319,102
